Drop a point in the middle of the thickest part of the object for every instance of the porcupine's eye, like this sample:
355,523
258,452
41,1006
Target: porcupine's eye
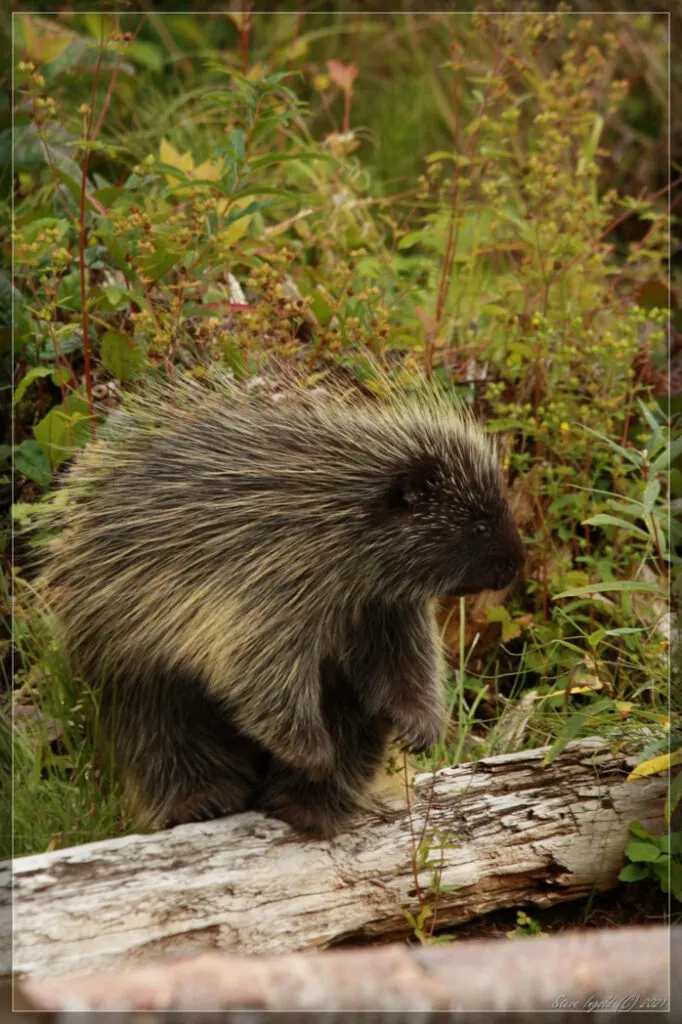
481,529
413,486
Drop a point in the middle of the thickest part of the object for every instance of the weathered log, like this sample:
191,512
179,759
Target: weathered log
503,832
581,972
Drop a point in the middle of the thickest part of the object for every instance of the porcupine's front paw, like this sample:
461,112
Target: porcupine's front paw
418,728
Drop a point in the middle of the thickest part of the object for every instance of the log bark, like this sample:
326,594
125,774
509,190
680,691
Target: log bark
591,973
503,832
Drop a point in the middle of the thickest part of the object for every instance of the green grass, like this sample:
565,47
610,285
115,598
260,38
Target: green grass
65,789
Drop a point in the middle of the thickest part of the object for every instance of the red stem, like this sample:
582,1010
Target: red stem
347,96
81,230
299,19
245,33
112,82
415,873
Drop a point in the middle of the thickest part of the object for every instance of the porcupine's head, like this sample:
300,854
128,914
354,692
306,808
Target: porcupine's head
444,507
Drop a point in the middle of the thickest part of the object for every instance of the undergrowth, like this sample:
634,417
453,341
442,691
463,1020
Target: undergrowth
441,193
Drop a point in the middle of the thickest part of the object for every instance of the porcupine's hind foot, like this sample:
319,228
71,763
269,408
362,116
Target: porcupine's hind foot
195,766
318,810
321,808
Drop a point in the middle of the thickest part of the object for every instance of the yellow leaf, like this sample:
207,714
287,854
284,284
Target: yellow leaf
235,231
169,155
223,207
295,51
242,19
656,764
256,72
43,40
208,171
624,707
587,687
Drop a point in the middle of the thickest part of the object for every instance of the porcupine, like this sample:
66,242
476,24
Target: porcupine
250,586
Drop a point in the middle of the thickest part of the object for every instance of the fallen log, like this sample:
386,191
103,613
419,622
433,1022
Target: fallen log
608,972
504,832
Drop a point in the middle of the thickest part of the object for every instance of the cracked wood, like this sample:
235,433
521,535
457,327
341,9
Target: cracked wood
500,833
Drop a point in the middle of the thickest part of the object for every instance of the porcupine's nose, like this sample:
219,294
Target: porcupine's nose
513,555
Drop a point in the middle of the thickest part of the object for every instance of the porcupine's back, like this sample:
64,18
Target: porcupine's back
204,517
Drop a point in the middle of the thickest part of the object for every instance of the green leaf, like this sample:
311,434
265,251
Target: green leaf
68,343
411,238
146,54
234,358
64,429
28,378
303,154
274,79
642,852
174,172
95,256
629,454
263,190
236,140
321,307
574,726
69,292
8,294
247,211
674,795
628,508
651,492
117,298
115,246
108,194
633,873
31,460
637,829
661,870
602,519
196,309
28,150
75,51
666,457
595,638
676,880
624,630
32,229
69,174
671,843
160,262
630,586
121,356
653,424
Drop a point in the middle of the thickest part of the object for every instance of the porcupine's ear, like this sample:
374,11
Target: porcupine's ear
413,485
